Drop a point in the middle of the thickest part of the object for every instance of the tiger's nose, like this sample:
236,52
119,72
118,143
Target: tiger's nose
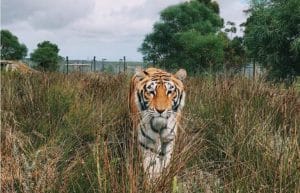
160,110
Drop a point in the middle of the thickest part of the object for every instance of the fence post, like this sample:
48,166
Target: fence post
67,58
119,65
124,60
254,66
94,61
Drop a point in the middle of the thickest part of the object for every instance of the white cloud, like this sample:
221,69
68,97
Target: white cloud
45,14
121,19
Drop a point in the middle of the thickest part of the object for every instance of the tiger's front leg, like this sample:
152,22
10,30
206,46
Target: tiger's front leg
167,138
150,147
168,134
158,147
152,163
155,162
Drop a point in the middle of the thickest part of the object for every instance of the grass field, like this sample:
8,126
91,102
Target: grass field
72,133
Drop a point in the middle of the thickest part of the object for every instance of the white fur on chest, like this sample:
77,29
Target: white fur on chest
157,130
158,123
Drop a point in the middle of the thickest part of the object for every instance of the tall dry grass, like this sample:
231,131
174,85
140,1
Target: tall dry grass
72,133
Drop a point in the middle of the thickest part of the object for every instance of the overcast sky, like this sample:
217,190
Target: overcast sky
82,29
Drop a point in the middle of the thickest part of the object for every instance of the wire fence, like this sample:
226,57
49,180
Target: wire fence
72,65
69,65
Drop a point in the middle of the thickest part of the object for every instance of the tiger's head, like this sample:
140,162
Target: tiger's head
158,94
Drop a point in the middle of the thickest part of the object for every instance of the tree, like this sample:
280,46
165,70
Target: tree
186,36
11,48
231,28
46,56
234,49
200,53
234,52
272,37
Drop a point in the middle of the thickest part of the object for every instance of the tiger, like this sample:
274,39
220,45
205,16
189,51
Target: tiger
156,100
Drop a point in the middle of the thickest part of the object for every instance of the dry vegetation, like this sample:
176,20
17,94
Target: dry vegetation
72,134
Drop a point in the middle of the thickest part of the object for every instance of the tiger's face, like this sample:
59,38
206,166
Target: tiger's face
159,94
159,97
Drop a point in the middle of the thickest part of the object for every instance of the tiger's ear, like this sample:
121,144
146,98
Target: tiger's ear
140,74
181,74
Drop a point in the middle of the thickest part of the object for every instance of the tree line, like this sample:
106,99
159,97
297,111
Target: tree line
192,35
45,55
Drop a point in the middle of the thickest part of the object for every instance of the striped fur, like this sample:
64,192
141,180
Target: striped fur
156,99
